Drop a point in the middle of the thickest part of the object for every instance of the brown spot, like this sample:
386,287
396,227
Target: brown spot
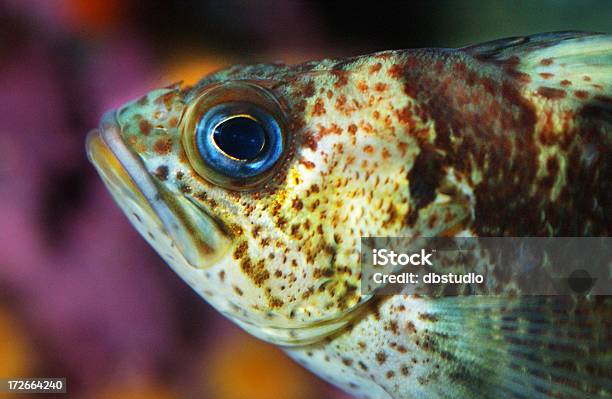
257,272
281,222
319,108
410,327
238,291
346,361
546,75
381,357
546,61
341,79
307,164
352,128
310,141
240,250
390,374
586,78
375,68
565,83
341,102
581,94
162,146
161,172
145,127
551,93
396,71
380,86
368,149
405,116
222,275
275,302
428,317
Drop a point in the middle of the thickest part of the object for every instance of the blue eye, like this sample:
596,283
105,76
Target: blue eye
239,140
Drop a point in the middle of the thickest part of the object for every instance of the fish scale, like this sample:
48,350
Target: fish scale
506,138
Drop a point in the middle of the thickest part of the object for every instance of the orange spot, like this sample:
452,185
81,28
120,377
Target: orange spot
162,146
362,86
368,149
341,102
319,108
376,67
380,86
307,164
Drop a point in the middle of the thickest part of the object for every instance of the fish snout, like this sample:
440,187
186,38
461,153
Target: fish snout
182,233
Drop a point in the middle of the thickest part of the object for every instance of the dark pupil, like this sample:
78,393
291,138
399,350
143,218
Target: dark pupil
240,137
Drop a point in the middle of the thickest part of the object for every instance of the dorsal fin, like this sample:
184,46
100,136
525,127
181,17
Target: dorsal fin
572,67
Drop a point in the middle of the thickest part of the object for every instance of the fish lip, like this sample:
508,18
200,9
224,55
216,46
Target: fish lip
110,134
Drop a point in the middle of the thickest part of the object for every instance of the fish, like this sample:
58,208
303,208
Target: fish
256,185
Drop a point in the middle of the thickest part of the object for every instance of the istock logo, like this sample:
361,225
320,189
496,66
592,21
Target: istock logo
383,257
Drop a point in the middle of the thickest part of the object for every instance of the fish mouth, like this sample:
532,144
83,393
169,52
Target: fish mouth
180,232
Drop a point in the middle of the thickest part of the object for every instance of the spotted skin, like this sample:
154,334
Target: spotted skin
507,138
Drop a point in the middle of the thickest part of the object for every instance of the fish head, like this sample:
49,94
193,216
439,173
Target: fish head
257,184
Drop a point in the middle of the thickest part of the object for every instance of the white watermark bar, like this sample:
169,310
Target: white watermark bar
449,266
32,385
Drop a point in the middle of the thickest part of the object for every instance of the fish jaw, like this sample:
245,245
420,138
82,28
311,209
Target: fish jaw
180,232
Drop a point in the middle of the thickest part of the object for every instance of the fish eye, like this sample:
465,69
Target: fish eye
238,139
234,135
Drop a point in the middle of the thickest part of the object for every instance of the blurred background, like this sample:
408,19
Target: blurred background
81,294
